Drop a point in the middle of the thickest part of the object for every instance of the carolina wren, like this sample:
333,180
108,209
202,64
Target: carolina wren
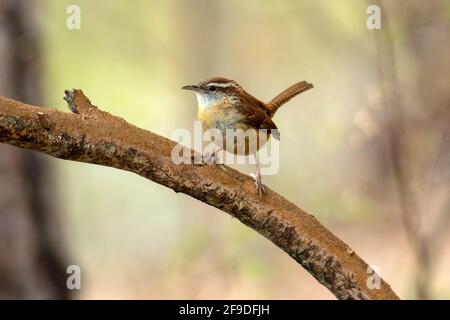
224,105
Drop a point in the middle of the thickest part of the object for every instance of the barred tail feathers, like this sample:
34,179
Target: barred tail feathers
287,95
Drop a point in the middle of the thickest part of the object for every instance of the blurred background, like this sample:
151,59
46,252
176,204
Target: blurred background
367,151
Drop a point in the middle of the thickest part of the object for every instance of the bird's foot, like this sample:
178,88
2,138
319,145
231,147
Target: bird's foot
258,183
211,158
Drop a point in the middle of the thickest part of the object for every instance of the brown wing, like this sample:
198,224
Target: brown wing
256,116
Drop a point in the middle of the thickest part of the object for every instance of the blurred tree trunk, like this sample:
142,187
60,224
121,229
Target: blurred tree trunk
417,110
30,263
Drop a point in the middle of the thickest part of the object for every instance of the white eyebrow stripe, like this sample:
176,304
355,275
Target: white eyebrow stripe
222,85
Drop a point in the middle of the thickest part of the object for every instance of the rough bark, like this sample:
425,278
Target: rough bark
94,136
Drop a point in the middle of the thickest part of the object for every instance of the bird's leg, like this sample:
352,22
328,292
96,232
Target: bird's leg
257,177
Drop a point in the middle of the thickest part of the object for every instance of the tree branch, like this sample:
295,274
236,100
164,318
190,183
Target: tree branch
94,136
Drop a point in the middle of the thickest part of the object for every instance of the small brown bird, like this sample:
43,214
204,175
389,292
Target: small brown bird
223,105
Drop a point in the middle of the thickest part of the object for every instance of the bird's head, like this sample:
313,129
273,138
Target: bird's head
212,91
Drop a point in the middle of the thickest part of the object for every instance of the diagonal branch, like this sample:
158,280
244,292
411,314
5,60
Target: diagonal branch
94,136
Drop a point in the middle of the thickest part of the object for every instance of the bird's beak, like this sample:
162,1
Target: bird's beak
191,87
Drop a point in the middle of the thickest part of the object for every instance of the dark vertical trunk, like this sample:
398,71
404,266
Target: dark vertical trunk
30,261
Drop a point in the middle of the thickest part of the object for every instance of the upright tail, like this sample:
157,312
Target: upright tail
287,95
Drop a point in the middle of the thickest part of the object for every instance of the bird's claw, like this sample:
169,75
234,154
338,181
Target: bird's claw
211,158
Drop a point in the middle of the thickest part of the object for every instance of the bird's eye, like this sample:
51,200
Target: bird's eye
212,88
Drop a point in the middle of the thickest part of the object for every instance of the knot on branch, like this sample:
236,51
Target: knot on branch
44,120
78,102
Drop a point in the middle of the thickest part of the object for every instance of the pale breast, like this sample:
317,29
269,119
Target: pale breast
221,115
